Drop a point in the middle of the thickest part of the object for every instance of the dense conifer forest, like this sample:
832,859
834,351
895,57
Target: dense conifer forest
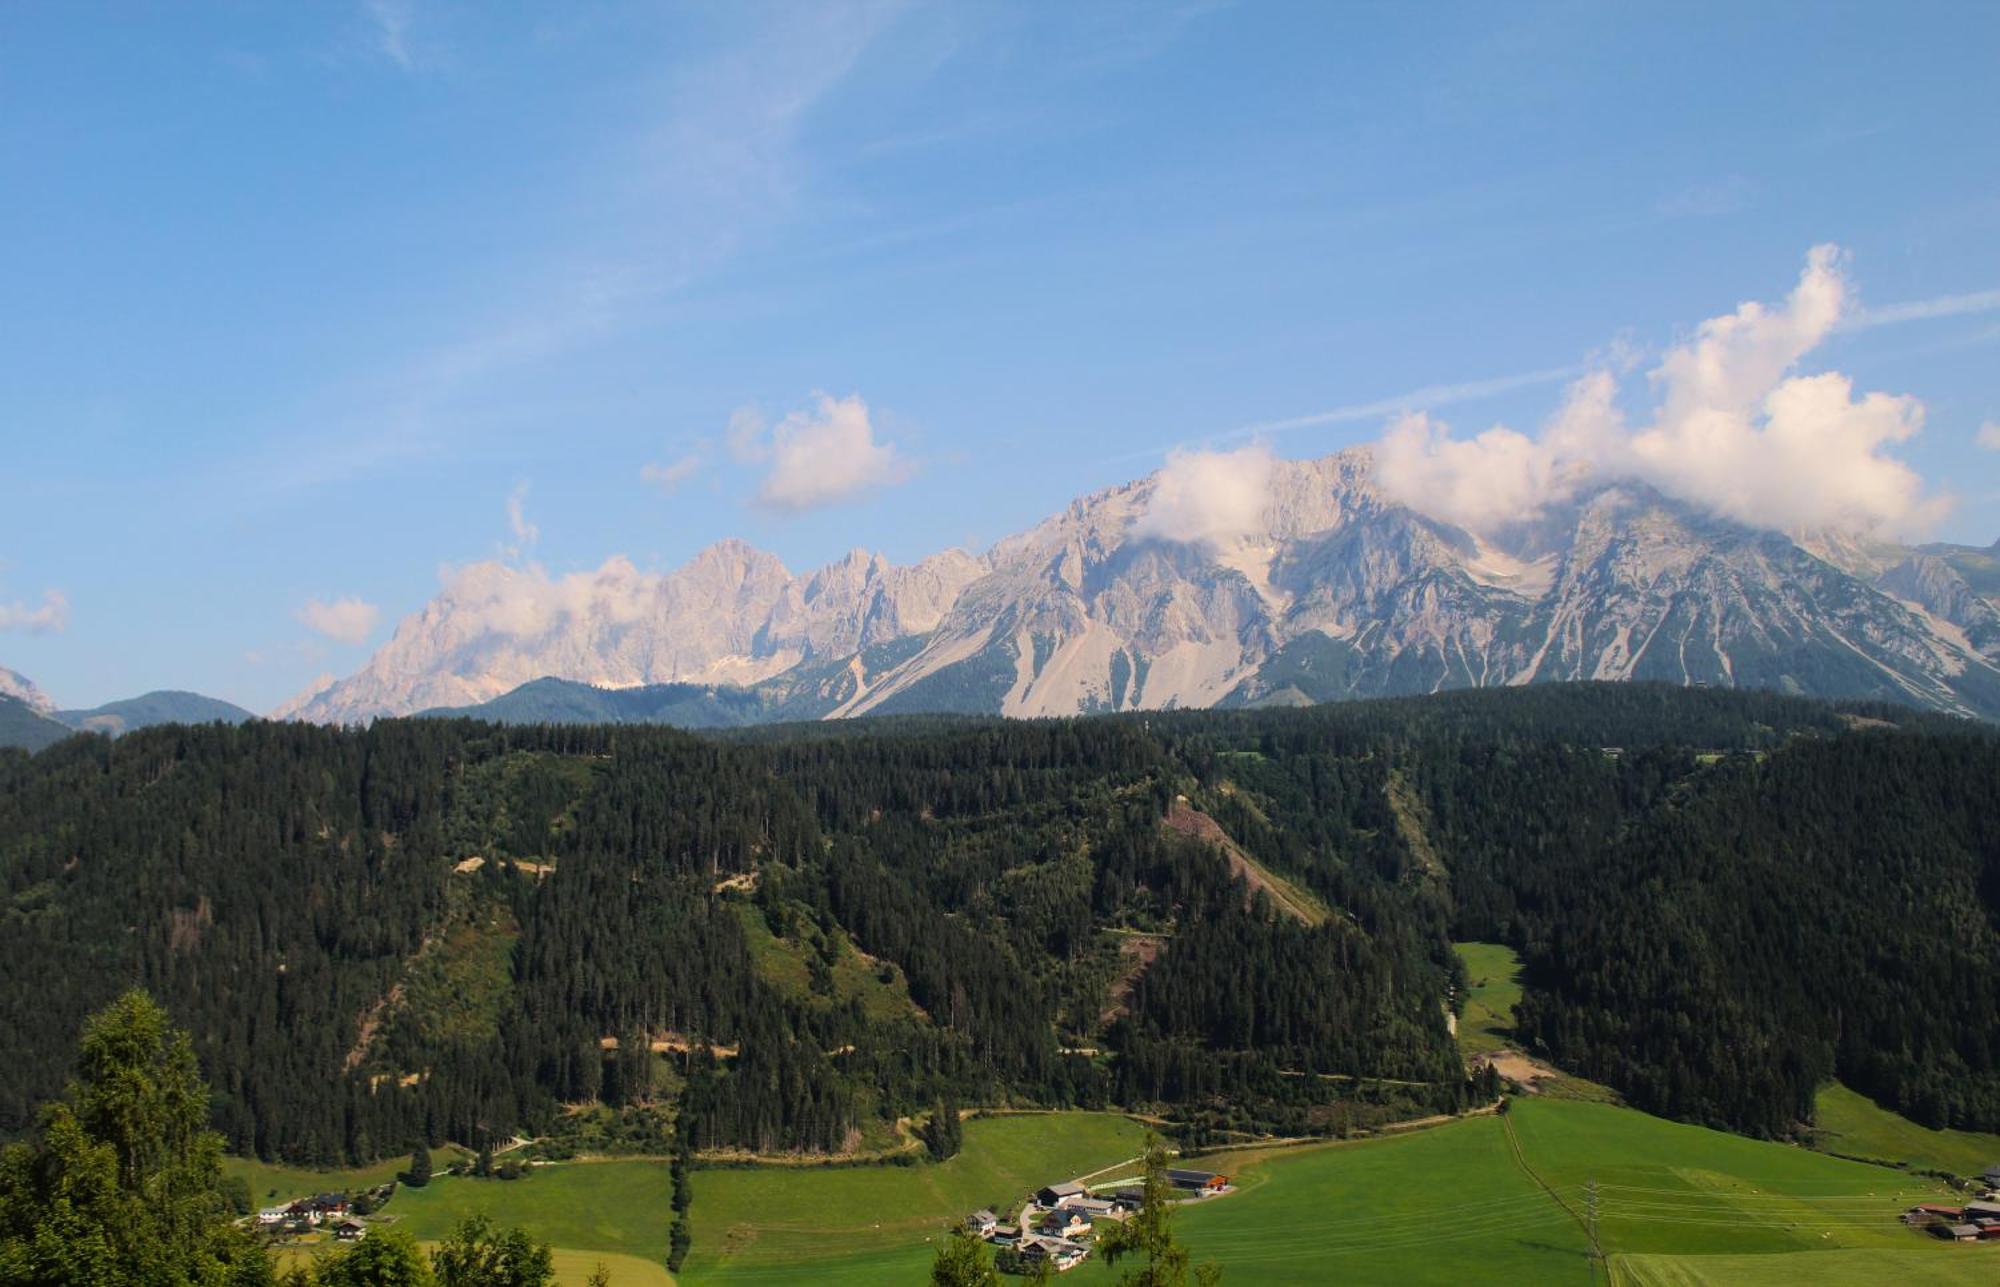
437,929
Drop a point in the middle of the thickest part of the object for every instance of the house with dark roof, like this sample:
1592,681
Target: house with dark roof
1054,1195
1203,1182
350,1231
982,1223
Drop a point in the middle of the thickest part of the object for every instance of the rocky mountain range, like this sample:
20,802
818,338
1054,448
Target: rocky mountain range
1329,590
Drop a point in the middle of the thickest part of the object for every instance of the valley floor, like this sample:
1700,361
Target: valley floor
1495,1198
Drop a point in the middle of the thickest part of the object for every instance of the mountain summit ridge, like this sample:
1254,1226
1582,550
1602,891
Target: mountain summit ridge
1328,588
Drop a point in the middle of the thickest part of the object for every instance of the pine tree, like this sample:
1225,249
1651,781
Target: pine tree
962,1261
1149,1234
420,1167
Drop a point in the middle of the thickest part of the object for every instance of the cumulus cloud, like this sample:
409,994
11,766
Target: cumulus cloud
1209,497
347,620
1989,435
1731,429
819,457
527,602
50,616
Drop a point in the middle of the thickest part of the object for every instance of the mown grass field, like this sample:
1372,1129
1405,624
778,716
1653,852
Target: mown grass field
1852,1124
1493,989
870,1224
623,1206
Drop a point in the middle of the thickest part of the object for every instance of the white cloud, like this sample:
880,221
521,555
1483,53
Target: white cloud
49,617
347,620
671,474
496,598
1732,430
1923,310
819,457
391,19
1989,435
1209,497
525,533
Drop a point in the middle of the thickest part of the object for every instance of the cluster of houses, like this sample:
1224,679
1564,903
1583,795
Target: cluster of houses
1059,1221
1974,1222
334,1211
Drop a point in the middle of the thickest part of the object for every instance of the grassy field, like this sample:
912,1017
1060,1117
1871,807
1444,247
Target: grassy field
584,1207
271,1183
870,1224
1852,1124
1493,974
1493,1198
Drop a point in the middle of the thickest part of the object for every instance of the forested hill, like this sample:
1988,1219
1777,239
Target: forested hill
430,927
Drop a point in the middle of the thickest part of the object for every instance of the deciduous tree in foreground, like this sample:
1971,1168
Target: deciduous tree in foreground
123,1182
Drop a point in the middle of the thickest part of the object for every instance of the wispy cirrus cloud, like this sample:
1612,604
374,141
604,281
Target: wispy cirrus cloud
668,475
1923,310
391,22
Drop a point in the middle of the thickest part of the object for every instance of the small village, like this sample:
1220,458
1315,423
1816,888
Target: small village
1059,1223
1977,1221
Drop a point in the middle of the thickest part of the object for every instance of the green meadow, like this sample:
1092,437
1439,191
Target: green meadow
1852,1124
1494,1198
872,1224
1493,989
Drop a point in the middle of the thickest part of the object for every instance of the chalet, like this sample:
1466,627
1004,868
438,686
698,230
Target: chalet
272,1215
1062,1254
982,1223
1065,1222
1202,1182
1956,1232
1977,1211
350,1231
1054,1195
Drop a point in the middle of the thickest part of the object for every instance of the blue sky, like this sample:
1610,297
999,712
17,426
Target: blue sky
301,300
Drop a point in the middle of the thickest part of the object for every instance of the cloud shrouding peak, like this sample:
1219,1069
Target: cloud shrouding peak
1732,429
346,620
819,457
50,616
1209,497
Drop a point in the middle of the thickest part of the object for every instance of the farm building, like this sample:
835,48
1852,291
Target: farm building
1130,1198
1956,1232
1054,1195
1991,1175
1062,1254
350,1231
1976,1211
1198,1181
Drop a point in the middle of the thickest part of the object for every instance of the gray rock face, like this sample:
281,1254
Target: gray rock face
1332,591
16,685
